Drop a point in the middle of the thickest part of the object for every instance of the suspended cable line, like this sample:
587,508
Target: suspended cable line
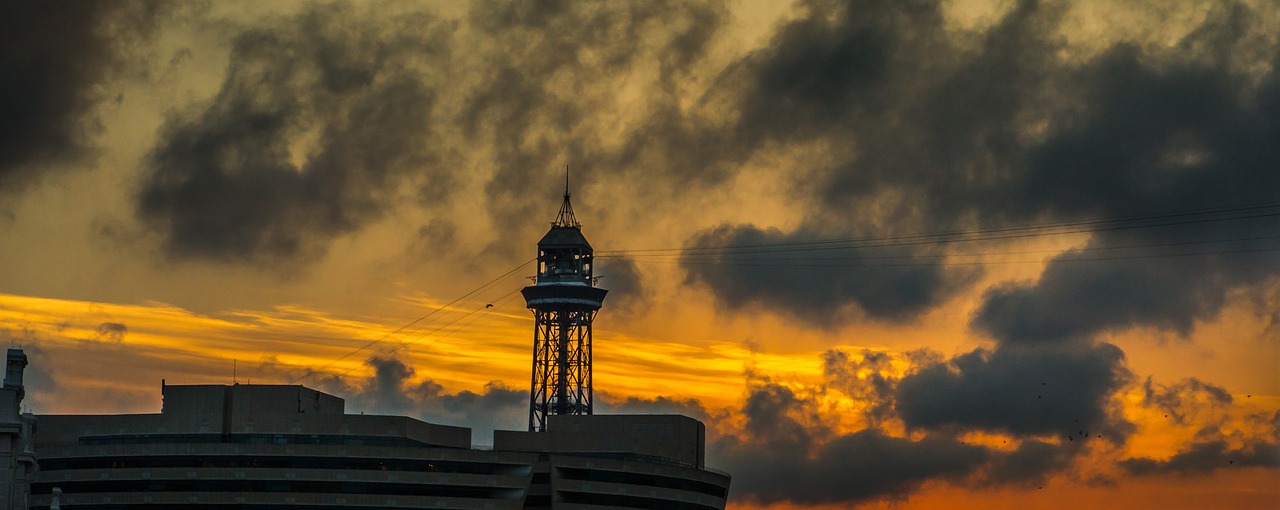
383,355
748,263
481,288
729,257
747,255
990,234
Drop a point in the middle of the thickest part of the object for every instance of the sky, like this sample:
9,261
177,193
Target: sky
903,254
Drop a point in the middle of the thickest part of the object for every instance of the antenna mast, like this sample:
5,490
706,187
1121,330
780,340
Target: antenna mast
566,217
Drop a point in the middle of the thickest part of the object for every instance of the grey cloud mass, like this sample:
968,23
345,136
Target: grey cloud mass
784,458
1192,402
1207,456
324,117
390,391
786,451
111,332
549,84
627,291
236,181
929,132
839,473
1059,391
1180,137
1185,400
39,382
1054,401
1031,463
610,404
51,58
868,380
886,283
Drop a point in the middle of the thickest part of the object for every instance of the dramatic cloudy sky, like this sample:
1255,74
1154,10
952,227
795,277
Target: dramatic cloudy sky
896,253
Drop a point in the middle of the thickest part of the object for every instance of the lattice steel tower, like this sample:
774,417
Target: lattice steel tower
564,300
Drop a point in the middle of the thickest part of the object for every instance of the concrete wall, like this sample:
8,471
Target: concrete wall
249,409
671,436
248,399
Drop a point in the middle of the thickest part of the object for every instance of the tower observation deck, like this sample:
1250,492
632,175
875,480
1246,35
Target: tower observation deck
564,300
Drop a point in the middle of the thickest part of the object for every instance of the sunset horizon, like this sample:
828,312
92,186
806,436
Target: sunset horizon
893,254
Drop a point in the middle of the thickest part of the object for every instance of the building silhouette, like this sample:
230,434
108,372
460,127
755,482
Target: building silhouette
242,446
17,458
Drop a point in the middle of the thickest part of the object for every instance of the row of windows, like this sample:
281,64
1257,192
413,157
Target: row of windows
325,439
282,462
649,459
666,482
617,500
197,506
289,486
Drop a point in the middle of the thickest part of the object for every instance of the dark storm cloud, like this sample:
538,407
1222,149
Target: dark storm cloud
1080,299
870,380
551,81
782,460
315,124
52,58
923,125
1183,400
386,391
1032,462
919,127
111,332
1062,391
1207,456
1150,138
627,291
497,407
852,468
38,380
609,404
885,283
834,67
785,451
392,391
778,419
933,129
1027,391
371,103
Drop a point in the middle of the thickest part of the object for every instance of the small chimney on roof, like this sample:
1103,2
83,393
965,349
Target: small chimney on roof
15,365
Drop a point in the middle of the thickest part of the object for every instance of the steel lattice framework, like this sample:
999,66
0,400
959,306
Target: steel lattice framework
561,365
564,300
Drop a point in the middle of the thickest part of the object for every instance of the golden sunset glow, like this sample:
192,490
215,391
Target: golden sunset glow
910,255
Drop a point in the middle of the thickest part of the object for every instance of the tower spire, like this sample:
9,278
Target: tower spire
566,217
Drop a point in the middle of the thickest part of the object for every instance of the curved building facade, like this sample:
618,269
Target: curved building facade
287,446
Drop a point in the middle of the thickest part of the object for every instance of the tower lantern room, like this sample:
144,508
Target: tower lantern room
564,255
564,301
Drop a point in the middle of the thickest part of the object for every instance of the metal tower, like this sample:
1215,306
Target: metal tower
564,300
